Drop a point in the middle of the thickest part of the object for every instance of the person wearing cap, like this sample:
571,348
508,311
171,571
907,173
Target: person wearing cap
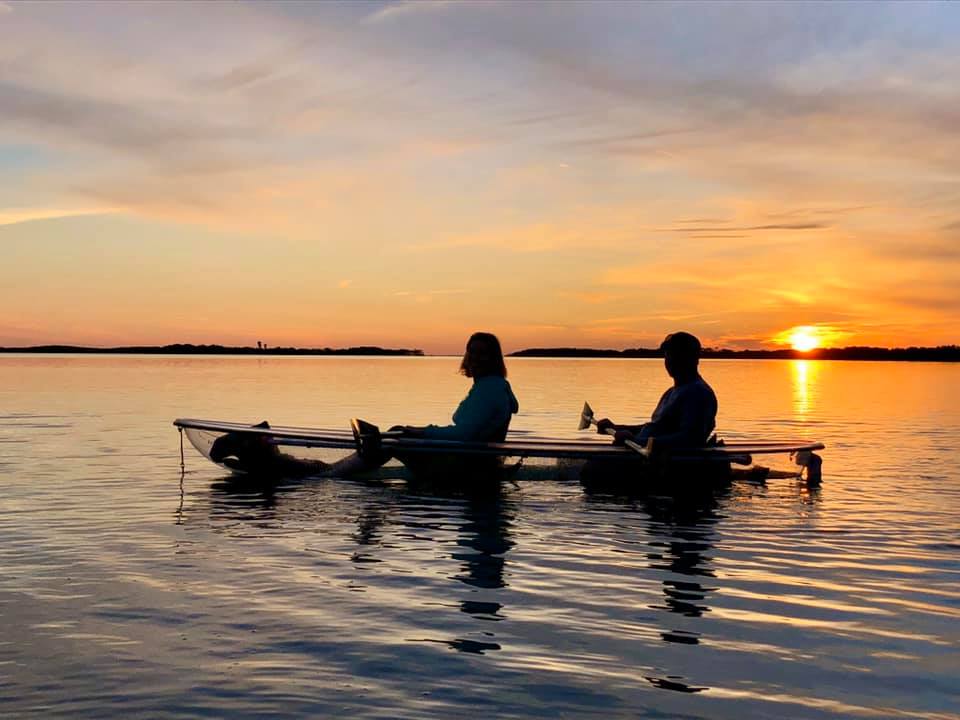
686,415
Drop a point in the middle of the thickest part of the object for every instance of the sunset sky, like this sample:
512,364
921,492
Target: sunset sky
404,173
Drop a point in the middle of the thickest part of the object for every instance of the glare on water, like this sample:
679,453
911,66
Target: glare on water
802,370
128,590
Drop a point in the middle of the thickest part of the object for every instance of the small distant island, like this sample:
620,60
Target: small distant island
942,353
188,349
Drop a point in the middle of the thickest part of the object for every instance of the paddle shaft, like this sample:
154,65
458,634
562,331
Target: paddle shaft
629,443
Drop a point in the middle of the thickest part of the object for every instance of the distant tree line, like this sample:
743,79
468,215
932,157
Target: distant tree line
942,353
188,349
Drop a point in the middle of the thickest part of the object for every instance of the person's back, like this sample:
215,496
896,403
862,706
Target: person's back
685,416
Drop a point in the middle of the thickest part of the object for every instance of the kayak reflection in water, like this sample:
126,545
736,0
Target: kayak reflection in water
483,416
685,417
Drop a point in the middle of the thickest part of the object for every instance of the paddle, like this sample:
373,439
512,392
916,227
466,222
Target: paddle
587,419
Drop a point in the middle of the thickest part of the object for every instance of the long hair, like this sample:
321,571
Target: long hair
483,356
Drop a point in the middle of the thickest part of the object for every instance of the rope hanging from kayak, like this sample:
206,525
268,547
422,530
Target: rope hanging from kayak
183,465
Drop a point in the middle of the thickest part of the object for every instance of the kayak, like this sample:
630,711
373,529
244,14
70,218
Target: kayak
330,445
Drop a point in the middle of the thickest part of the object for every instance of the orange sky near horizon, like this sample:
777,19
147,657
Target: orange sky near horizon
402,174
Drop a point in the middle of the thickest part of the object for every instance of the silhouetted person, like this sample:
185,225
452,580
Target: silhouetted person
687,412
483,416
685,417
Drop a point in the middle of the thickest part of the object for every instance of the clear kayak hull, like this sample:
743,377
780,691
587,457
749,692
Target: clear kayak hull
540,456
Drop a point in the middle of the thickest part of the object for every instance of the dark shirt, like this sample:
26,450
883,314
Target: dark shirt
685,416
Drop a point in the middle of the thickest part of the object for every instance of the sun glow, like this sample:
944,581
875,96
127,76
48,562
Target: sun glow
804,338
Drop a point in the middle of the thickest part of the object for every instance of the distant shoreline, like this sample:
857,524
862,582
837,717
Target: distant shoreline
943,353
188,349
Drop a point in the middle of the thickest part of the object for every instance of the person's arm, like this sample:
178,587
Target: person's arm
632,432
605,423
413,431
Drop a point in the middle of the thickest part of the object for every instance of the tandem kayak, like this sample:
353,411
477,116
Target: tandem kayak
331,445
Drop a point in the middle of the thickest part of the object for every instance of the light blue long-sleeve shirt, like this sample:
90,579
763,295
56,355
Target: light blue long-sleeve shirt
483,415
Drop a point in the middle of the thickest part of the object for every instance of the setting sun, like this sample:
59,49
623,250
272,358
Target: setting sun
804,338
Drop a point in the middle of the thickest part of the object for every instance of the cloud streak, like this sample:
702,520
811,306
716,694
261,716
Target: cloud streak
406,8
15,216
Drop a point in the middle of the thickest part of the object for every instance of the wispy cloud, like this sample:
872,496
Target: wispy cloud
426,296
106,124
14,216
747,228
405,8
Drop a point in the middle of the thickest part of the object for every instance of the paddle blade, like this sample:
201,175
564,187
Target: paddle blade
586,417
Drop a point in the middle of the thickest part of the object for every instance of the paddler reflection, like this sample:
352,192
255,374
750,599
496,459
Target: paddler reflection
483,416
682,531
484,539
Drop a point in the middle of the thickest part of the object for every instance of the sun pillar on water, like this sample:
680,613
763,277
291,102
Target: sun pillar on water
803,339
804,378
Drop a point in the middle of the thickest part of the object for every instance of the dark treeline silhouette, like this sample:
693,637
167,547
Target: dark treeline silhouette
187,349
943,353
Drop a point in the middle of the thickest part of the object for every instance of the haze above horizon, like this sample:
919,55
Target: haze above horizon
404,173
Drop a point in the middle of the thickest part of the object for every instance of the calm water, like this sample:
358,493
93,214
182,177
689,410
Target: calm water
126,593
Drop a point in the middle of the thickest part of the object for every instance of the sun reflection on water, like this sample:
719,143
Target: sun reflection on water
803,375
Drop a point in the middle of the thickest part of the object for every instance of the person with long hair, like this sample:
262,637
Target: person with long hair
483,416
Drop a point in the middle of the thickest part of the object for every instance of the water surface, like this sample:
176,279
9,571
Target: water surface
127,590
